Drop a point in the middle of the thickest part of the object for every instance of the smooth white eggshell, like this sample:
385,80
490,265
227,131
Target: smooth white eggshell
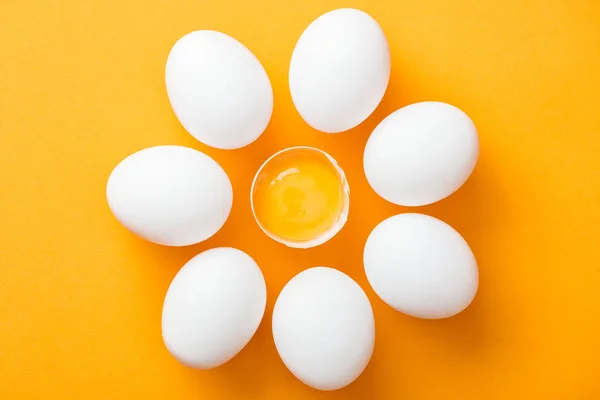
218,89
421,266
170,195
213,307
339,70
421,153
324,328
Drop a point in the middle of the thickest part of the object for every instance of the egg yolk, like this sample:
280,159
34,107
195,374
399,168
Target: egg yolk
298,195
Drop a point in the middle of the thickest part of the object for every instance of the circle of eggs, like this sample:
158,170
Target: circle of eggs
177,196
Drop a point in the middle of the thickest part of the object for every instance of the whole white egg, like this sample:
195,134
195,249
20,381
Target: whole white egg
324,328
340,70
170,195
213,307
218,89
421,153
421,266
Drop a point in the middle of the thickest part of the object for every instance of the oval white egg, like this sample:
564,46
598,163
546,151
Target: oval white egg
421,266
218,89
324,328
213,307
170,195
339,70
421,153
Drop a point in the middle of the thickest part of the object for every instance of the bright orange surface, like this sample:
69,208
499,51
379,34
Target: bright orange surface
82,86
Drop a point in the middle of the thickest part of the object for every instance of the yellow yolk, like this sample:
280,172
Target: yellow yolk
298,195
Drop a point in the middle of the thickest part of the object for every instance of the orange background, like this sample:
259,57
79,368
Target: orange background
82,86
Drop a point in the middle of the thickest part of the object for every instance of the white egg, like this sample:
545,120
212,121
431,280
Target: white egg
421,266
213,307
324,328
218,89
421,153
170,195
339,70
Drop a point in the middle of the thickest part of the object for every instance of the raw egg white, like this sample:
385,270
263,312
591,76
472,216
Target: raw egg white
324,328
339,70
218,89
421,153
213,307
421,266
170,195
